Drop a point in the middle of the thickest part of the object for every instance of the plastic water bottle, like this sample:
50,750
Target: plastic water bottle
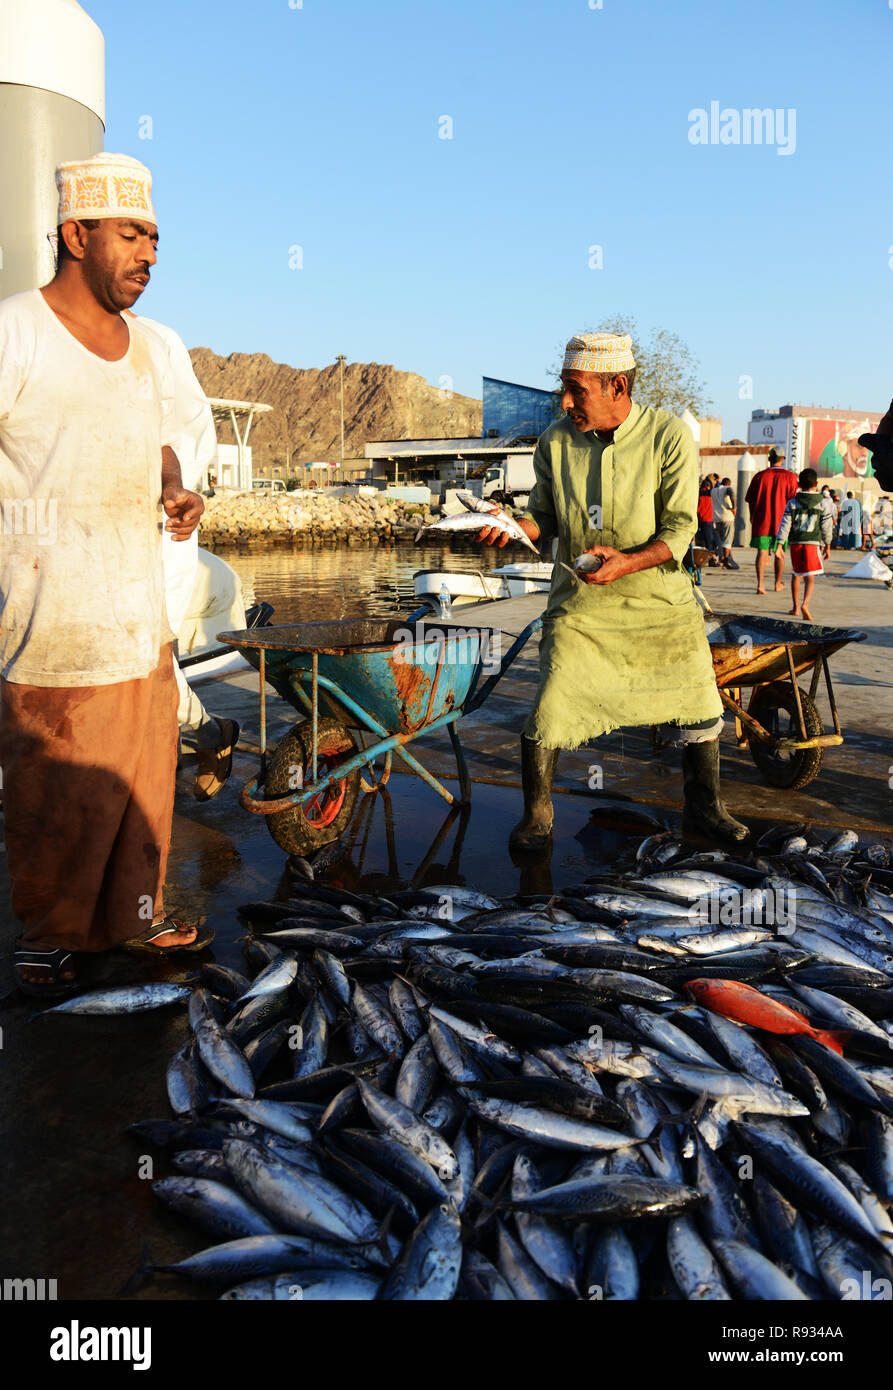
446,603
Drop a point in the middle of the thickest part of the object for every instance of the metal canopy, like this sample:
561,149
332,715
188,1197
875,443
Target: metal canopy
236,412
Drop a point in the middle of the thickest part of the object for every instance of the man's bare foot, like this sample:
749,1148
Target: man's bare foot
168,934
793,612
779,586
761,591
182,935
805,613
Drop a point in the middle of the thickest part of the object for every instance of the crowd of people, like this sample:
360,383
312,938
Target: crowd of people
787,510
855,522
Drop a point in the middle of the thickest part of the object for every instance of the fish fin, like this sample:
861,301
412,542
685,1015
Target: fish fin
683,1117
832,1037
699,1106
142,1276
381,1235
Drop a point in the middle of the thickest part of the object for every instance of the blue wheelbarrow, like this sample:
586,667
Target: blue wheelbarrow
391,679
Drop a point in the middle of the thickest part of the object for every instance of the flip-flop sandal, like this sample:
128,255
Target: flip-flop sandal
146,940
53,962
215,764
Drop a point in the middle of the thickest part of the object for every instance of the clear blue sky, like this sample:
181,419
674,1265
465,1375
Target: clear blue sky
317,127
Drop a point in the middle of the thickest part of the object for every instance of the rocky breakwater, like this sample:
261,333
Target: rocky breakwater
309,517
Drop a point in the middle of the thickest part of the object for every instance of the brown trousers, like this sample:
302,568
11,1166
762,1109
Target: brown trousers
88,797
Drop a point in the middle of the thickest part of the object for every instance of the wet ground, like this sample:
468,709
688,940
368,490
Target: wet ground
76,1199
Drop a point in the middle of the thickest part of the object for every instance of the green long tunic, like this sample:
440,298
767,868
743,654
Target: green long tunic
633,652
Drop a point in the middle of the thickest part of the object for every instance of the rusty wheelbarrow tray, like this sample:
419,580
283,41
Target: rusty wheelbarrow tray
781,724
395,679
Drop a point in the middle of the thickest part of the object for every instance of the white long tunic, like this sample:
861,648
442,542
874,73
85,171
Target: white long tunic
81,581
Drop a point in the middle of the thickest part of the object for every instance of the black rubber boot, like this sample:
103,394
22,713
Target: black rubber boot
538,765
704,812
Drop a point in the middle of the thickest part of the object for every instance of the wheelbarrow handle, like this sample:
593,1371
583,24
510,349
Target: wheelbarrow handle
250,802
477,696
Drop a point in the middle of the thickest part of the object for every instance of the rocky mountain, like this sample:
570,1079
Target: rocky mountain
380,402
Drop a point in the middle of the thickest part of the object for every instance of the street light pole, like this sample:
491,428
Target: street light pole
340,359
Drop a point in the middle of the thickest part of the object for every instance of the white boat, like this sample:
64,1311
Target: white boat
216,605
467,587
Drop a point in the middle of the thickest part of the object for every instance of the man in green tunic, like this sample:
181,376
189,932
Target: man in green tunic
628,646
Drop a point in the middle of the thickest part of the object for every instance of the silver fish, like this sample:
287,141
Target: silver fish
401,1123
472,521
739,1094
694,1268
429,1266
753,1274
300,1202
310,1286
123,999
213,1205
553,1130
547,1243
224,1059
715,943
275,977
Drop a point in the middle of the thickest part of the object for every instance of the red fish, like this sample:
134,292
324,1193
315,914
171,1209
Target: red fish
744,1004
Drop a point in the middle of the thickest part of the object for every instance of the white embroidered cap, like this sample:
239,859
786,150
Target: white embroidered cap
108,185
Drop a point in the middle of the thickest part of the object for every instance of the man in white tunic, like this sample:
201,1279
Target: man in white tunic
88,698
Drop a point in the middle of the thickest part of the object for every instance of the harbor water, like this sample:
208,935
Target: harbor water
330,581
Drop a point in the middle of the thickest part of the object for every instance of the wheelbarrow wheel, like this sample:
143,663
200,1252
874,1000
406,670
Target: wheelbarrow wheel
303,829
774,706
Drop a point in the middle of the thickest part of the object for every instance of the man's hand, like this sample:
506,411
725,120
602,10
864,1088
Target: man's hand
183,509
616,565
490,535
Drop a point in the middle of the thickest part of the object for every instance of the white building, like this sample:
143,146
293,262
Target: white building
234,467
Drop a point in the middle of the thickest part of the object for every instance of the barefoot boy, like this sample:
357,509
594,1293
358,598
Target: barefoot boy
808,526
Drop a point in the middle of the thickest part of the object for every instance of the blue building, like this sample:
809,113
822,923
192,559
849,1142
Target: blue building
513,411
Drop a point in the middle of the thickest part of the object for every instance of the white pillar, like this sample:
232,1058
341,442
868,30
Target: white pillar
747,466
52,109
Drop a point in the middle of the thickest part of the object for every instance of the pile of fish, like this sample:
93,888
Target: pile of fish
480,512
630,1090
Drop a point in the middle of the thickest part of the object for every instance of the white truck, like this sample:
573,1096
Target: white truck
511,480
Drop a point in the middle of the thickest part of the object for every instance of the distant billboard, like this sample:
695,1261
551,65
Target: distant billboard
782,431
831,447
834,448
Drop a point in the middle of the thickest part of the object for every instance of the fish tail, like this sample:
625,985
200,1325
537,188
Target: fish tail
142,1276
475,1224
831,1037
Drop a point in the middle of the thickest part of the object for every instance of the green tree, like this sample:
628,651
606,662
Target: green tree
667,373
